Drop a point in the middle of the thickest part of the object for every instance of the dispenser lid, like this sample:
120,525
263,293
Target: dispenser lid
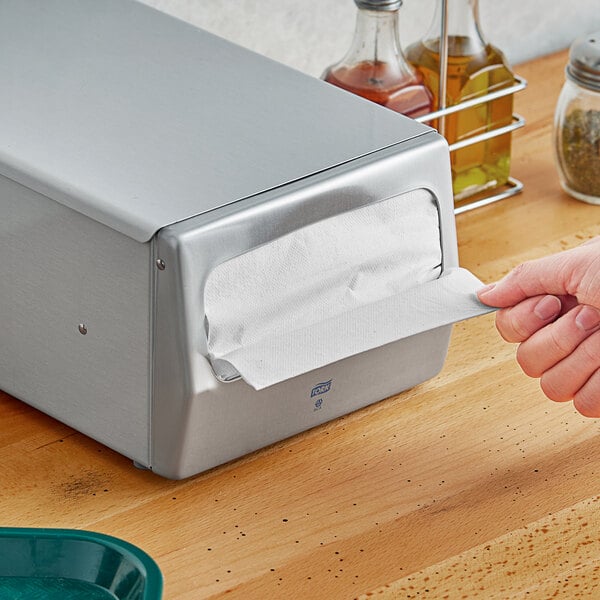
389,5
139,120
584,65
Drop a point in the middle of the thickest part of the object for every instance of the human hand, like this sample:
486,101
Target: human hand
551,306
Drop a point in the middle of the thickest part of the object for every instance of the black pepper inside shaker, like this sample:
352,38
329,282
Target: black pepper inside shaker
577,122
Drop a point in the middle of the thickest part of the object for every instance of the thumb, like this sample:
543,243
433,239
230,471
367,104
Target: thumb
574,272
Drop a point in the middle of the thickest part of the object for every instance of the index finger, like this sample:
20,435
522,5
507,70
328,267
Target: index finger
518,323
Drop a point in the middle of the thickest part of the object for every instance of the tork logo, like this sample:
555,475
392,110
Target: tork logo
321,388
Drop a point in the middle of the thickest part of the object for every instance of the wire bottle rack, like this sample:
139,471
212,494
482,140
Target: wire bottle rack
513,186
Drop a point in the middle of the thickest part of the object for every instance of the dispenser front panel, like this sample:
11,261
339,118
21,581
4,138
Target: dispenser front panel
199,421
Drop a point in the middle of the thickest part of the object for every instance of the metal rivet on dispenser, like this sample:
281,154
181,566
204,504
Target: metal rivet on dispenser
82,328
160,264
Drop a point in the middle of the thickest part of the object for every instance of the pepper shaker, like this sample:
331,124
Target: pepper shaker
577,122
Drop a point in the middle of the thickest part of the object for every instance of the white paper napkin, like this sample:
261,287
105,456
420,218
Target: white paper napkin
333,289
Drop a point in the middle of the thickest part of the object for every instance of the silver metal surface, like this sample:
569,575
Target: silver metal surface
379,5
443,83
520,84
517,122
111,133
140,120
584,61
62,271
215,421
512,188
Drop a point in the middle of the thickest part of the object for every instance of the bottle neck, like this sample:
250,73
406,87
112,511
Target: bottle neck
462,25
376,40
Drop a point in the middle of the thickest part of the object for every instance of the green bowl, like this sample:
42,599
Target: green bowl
70,564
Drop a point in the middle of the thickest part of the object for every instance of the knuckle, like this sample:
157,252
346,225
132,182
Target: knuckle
519,274
518,270
559,343
588,284
510,327
590,349
519,330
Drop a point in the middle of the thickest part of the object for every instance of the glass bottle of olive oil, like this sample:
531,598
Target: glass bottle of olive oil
475,68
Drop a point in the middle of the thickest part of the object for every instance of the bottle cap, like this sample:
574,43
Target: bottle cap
379,4
584,61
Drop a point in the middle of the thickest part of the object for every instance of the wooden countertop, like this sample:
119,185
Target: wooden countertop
469,485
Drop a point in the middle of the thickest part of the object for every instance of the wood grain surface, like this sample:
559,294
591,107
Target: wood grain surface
472,484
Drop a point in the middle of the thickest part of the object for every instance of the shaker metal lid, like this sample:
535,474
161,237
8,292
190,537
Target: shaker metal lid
584,65
379,4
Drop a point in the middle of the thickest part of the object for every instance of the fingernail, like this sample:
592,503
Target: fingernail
588,318
547,308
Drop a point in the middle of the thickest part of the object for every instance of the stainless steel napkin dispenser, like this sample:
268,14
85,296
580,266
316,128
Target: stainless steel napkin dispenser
175,212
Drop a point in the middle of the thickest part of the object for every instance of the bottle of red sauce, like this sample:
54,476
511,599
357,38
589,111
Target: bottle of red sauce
375,67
